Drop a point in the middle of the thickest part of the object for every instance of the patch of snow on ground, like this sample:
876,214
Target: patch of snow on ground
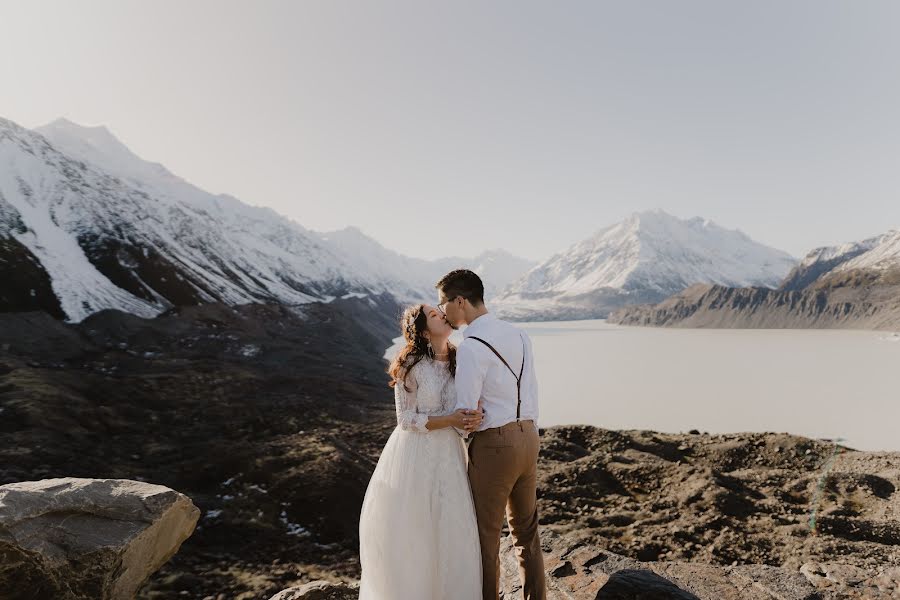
292,528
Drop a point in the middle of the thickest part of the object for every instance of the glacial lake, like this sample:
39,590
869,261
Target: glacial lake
817,383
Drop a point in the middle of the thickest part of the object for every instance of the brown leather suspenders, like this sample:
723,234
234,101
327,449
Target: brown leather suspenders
518,378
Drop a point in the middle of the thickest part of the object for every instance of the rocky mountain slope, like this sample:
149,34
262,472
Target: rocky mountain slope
759,308
645,258
855,285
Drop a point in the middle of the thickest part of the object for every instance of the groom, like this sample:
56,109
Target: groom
495,364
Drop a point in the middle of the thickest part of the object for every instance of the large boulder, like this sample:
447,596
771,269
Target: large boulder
97,539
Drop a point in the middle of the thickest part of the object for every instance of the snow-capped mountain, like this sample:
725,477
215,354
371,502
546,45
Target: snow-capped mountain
643,259
877,256
85,224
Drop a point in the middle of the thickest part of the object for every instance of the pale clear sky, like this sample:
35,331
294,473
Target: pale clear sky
451,127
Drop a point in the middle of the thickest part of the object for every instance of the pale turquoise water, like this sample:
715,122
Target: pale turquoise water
818,383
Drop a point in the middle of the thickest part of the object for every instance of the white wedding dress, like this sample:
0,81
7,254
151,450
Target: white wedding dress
418,537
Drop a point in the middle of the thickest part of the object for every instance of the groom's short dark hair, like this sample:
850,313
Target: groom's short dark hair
462,282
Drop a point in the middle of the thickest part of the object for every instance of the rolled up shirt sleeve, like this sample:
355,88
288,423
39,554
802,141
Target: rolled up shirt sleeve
470,372
531,383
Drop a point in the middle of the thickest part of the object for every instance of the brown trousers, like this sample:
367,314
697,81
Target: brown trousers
503,476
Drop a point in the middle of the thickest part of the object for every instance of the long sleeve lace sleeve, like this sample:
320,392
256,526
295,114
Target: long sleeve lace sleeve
405,401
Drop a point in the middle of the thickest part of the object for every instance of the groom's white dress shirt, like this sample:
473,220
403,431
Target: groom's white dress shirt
480,375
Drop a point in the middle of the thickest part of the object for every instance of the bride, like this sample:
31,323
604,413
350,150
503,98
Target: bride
418,536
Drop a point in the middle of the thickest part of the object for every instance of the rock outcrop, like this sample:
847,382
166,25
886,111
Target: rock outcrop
319,590
87,539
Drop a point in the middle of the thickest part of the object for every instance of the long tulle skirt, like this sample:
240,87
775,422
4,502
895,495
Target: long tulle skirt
418,535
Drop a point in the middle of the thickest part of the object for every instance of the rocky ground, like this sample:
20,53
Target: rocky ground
271,421
766,498
268,418
579,571
768,516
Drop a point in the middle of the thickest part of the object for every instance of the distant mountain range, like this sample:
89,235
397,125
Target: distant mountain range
645,258
855,285
498,268
85,225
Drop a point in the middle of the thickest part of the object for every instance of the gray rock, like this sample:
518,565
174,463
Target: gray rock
97,539
319,590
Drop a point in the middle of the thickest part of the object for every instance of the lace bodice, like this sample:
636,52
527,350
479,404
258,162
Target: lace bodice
431,392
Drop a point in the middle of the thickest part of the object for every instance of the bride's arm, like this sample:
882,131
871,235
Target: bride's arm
461,419
410,420
405,402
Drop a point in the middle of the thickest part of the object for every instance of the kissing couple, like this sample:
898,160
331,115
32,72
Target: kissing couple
432,515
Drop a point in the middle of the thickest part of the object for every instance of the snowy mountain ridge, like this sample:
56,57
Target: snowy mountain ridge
107,244
876,255
644,258
384,269
884,254
95,227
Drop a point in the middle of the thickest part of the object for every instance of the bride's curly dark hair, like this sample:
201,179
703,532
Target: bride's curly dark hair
414,324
